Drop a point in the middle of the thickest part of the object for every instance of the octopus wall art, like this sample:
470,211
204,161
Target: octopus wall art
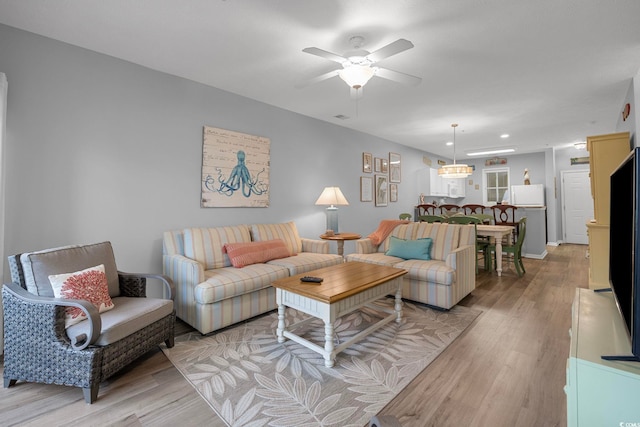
235,169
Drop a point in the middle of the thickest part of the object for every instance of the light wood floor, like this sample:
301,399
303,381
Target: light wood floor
507,369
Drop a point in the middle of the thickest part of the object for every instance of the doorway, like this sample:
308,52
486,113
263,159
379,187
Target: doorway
577,206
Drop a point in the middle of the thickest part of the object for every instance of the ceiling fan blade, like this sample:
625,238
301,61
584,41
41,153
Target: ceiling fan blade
324,54
399,77
396,47
317,79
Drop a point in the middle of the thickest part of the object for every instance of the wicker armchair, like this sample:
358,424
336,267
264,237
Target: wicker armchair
40,348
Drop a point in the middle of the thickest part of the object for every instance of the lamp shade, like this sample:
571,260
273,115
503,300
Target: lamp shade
332,196
356,76
456,170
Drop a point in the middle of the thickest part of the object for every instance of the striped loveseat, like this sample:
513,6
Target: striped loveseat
442,281
211,293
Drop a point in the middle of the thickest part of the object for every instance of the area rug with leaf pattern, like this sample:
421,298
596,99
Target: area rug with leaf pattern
249,379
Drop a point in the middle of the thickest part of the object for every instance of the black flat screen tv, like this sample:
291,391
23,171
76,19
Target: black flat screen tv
624,248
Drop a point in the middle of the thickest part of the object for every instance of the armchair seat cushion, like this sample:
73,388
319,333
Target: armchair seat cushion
229,282
375,258
433,271
129,315
306,261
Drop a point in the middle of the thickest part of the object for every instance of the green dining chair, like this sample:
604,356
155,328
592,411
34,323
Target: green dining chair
482,245
515,250
431,218
484,218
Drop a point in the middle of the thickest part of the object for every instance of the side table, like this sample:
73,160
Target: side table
340,238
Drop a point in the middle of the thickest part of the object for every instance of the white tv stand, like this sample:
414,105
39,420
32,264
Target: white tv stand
600,392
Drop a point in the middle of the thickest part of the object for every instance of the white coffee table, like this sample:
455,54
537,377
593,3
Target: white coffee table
346,287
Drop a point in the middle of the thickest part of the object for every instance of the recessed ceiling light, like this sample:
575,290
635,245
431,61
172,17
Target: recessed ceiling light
504,135
489,151
449,143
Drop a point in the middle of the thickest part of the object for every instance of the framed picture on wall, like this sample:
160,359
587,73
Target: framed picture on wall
230,158
385,166
394,167
366,189
367,163
393,192
378,164
382,190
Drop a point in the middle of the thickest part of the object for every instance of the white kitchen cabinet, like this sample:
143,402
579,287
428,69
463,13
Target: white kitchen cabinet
433,185
455,187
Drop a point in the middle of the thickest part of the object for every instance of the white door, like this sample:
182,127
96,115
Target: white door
577,206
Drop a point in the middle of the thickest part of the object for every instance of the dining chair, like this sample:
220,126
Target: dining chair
506,215
482,244
448,209
431,218
484,218
472,209
427,209
514,251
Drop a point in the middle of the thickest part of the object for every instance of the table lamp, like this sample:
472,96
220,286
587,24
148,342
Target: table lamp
332,196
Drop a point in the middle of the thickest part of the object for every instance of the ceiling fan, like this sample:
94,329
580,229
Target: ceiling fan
359,65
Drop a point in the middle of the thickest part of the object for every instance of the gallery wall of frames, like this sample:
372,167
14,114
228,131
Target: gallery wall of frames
380,185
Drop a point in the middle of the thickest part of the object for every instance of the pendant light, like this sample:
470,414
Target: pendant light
455,170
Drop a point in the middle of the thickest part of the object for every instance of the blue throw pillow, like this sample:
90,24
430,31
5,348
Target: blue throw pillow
410,249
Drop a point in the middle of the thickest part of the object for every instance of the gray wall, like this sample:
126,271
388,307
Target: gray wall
102,149
632,122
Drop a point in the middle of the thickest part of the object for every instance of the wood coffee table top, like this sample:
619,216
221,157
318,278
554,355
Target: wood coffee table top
340,281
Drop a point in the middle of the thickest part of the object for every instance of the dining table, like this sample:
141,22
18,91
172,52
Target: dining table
496,233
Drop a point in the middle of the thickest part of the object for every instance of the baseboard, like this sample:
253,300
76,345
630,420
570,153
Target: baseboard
536,256
558,243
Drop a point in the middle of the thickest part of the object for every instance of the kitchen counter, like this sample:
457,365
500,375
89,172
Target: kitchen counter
535,241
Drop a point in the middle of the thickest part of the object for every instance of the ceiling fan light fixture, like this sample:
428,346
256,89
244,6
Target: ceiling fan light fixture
356,76
455,170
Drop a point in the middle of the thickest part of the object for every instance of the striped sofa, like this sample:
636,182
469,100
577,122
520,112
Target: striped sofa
211,293
442,281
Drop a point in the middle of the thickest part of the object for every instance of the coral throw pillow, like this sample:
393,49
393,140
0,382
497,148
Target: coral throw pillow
243,254
89,284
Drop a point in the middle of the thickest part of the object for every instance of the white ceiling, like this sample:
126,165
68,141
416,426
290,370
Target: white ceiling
547,72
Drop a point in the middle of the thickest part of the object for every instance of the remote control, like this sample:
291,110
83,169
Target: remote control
311,279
